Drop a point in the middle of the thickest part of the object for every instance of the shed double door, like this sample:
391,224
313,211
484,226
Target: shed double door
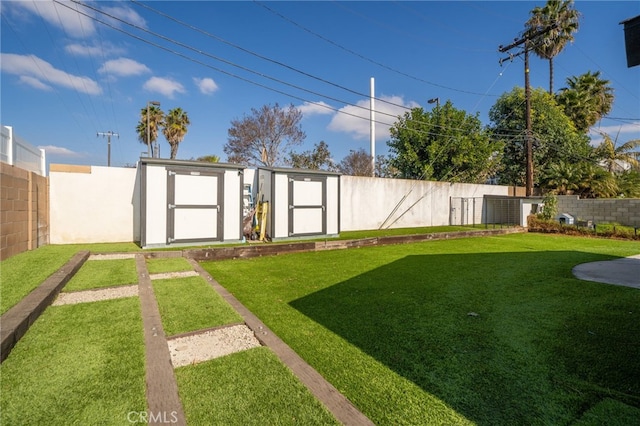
195,207
307,205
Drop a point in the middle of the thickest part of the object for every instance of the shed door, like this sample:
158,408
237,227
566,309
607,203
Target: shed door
194,211
307,205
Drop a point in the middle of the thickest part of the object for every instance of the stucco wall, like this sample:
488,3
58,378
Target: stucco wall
24,210
620,210
91,204
369,203
101,204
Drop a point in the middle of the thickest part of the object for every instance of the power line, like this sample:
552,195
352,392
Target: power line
165,38
265,58
225,61
362,56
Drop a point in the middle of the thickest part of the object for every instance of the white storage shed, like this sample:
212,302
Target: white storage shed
302,203
189,202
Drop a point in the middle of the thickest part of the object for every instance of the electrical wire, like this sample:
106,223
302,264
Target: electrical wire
165,38
265,58
362,56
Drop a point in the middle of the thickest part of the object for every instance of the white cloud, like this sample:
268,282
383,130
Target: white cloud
59,150
36,68
35,83
105,49
612,131
620,134
316,108
126,14
355,119
206,85
73,23
123,67
165,86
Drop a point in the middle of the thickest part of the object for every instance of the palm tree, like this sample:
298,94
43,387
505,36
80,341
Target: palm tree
615,157
175,127
562,177
155,118
563,21
586,99
596,182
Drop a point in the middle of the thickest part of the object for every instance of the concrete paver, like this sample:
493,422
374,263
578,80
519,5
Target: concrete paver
625,271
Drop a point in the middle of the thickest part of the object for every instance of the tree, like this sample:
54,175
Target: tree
318,159
209,159
384,168
261,138
356,163
560,16
614,158
444,144
629,183
175,128
555,137
597,182
586,99
155,119
562,177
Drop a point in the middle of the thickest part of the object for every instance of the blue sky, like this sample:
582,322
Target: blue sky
65,76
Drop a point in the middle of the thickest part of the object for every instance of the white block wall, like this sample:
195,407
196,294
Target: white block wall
94,207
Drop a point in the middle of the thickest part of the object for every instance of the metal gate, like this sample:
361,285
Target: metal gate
195,207
307,205
466,211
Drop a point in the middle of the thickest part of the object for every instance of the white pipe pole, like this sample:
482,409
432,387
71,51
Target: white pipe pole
373,128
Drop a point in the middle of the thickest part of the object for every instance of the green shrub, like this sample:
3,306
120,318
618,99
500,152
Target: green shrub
550,209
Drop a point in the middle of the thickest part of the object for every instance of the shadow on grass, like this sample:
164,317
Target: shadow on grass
502,338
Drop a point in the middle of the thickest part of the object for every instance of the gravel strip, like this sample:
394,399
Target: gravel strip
166,275
112,256
211,344
96,295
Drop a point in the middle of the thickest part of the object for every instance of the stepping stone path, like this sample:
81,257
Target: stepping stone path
203,346
198,346
162,353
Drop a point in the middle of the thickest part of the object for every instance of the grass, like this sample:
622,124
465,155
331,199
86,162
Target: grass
484,330
189,304
170,264
247,388
78,364
371,233
611,413
21,273
103,273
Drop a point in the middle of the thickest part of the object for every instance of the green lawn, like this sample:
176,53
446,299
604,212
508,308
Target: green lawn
371,233
103,273
482,330
23,272
190,304
247,388
168,264
78,364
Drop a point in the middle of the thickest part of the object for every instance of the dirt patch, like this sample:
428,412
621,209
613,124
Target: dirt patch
112,256
166,275
210,344
96,295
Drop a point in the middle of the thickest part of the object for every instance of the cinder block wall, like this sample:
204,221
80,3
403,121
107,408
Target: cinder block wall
24,210
625,211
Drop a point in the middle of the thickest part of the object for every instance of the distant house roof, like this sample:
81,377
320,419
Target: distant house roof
632,40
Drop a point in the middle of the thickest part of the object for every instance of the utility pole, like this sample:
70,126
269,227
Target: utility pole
526,40
372,130
108,135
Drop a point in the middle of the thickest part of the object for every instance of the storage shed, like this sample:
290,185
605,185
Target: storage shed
302,203
189,202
